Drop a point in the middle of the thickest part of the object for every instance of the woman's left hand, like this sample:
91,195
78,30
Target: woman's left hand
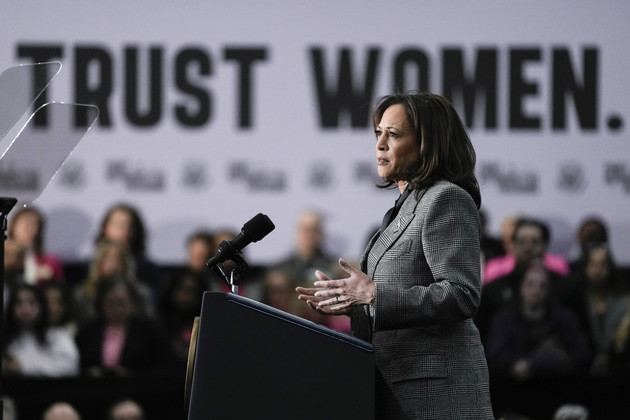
337,296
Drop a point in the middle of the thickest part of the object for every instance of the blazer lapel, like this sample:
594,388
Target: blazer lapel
380,243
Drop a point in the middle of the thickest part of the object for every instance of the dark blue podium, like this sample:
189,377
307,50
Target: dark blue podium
251,361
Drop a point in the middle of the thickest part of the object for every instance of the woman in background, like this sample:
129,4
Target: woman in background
27,229
120,340
31,346
123,224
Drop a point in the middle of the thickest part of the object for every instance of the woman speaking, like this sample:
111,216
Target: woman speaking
419,283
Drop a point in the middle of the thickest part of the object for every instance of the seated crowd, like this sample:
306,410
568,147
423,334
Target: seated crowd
540,314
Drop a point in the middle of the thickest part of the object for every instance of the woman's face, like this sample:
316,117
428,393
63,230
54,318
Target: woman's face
118,305
112,262
528,243
597,268
118,227
27,309
198,253
396,148
56,308
279,290
534,287
25,229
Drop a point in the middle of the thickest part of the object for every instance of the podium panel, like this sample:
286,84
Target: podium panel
252,361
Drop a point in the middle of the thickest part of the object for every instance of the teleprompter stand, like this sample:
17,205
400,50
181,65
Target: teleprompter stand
33,146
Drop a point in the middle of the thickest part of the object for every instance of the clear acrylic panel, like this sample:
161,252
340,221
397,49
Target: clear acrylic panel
20,86
38,151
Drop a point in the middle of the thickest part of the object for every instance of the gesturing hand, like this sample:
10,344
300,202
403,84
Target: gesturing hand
337,296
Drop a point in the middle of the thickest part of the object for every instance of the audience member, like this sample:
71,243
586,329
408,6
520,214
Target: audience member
620,349
27,229
529,244
180,305
120,340
61,307
13,267
9,410
61,411
123,223
201,246
498,262
591,231
571,412
535,335
279,292
532,242
308,255
32,347
125,410
603,305
110,259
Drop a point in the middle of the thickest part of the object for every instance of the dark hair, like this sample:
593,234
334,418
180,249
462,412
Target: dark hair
445,150
12,329
521,272
167,308
592,230
202,235
106,285
38,244
137,239
611,282
69,312
526,221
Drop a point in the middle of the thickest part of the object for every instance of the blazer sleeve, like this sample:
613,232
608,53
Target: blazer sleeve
442,274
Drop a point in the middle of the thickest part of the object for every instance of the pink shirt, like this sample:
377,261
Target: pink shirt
113,343
500,266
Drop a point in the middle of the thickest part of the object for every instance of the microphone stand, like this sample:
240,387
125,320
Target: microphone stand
235,274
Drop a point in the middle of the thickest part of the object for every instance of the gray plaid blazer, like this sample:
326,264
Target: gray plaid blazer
426,266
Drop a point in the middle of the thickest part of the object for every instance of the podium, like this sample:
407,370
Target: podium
251,361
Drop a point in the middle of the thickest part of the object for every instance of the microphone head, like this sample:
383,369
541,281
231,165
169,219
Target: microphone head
258,227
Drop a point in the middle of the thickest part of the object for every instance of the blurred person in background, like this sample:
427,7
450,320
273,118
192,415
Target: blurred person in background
604,302
279,291
61,307
13,268
110,260
200,247
180,305
532,242
308,254
61,411
27,229
591,231
123,224
126,409
530,239
536,335
31,346
9,409
121,340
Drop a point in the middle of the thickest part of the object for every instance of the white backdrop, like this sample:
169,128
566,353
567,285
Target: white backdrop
245,72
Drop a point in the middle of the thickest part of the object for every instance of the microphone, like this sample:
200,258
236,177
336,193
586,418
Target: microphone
252,231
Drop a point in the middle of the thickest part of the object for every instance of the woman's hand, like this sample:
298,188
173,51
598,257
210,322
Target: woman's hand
337,296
